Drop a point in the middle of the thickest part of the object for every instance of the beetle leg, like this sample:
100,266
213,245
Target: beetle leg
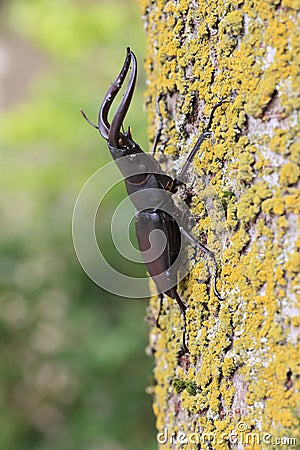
199,141
192,154
161,299
158,133
210,254
182,308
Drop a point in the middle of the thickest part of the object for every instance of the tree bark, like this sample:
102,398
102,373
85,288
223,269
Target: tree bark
239,384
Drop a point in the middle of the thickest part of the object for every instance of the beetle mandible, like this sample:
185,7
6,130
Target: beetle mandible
149,218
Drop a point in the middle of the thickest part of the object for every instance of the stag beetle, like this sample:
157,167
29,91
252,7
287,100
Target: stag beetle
149,175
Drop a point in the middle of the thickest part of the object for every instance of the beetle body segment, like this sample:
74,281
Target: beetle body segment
148,222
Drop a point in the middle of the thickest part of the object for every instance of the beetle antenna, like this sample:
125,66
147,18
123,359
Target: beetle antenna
88,120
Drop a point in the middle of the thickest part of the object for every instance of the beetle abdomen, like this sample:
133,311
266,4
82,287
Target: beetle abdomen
159,240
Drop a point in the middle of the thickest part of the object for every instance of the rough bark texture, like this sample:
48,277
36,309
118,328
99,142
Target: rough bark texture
240,382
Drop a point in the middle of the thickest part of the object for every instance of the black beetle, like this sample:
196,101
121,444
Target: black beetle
142,173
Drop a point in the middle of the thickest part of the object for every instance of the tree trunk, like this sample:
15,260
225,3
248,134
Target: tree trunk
239,383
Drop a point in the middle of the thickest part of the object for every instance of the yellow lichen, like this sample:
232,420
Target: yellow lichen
295,153
289,174
248,54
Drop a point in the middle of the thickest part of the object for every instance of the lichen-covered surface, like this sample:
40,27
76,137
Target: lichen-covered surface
240,382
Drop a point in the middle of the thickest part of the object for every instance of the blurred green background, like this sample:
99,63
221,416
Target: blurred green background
72,363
